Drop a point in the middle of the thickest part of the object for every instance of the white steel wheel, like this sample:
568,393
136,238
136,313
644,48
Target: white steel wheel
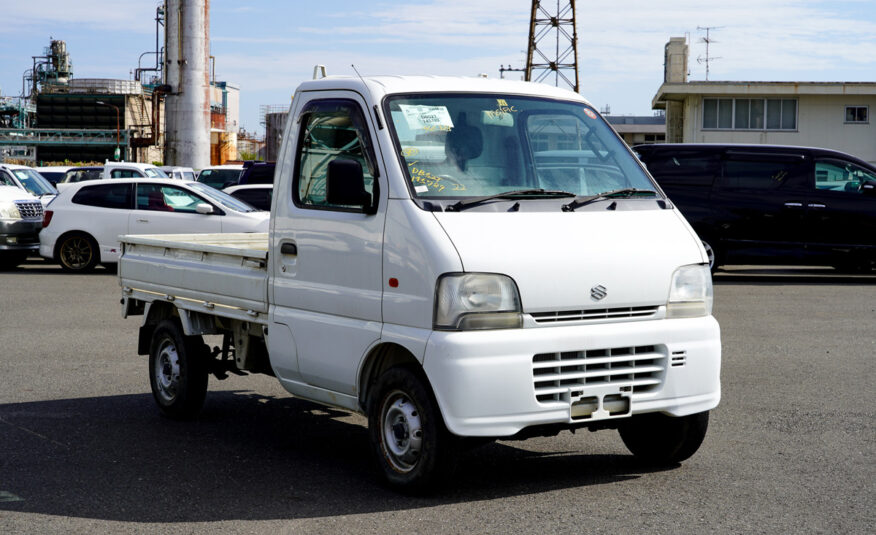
178,370
402,431
410,444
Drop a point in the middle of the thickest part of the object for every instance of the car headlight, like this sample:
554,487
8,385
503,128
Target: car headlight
472,301
9,210
690,293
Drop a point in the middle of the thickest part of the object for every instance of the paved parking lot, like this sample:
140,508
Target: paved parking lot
791,449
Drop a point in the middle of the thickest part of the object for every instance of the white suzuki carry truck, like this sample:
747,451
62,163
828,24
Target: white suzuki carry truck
454,258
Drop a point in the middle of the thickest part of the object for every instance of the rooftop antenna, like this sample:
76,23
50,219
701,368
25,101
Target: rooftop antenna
708,40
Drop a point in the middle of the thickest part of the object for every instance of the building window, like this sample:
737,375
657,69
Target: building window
749,114
857,114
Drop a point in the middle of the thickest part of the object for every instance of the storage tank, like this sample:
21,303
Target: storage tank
186,56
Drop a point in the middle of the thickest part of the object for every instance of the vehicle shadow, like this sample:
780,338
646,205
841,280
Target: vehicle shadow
249,457
42,266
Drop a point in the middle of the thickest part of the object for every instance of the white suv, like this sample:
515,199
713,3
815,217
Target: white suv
83,224
21,217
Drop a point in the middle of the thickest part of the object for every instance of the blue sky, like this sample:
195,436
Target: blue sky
268,47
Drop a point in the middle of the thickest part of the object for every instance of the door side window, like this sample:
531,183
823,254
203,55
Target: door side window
837,175
161,198
330,130
105,196
761,174
124,173
695,169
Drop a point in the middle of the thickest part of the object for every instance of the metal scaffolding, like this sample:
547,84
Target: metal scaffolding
553,30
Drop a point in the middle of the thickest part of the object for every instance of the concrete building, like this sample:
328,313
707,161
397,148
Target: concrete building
833,115
638,129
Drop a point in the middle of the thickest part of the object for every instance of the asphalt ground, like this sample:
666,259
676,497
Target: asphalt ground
83,449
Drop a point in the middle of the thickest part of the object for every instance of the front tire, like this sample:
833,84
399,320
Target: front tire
78,252
712,254
178,371
664,440
412,448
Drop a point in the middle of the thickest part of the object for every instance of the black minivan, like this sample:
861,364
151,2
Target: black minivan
768,204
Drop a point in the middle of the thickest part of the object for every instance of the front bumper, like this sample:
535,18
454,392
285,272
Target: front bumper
496,383
20,235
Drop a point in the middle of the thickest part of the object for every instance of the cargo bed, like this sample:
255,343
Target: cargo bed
219,274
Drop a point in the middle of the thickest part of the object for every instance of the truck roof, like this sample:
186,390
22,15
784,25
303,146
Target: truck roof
379,86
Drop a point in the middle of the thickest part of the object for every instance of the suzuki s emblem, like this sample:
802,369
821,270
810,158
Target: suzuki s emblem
598,292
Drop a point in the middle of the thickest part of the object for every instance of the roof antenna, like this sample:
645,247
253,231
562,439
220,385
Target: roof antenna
357,73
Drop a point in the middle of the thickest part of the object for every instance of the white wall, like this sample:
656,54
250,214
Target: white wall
820,123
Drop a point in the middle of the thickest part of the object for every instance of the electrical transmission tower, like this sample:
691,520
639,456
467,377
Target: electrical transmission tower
553,44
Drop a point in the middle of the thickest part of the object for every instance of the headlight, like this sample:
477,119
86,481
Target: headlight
470,301
9,210
690,294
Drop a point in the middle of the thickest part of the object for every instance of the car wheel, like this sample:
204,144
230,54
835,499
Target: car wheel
78,252
411,446
664,440
178,370
712,254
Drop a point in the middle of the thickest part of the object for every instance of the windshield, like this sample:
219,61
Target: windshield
218,178
222,198
34,182
456,146
154,172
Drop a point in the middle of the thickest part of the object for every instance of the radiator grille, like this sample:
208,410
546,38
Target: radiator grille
594,314
555,375
30,209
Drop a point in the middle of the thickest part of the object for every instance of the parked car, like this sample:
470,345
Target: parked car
179,173
258,195
768,204
53,173
220,176
81,174
257,173
29,180
21,217
82,226
131,170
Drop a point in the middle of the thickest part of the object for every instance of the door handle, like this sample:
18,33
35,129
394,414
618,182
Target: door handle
794,204
816,206
142,221
289,249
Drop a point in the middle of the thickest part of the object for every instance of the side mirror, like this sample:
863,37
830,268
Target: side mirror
345,185
868,187
204,208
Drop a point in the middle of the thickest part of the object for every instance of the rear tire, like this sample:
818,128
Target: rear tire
77,252
411,446
178,371
664,440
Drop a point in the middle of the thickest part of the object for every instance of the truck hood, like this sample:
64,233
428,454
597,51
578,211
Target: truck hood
557,258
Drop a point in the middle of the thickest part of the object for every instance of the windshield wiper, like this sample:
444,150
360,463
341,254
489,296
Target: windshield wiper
624,193
459,205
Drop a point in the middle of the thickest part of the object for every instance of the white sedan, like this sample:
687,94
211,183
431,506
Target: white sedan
82,225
